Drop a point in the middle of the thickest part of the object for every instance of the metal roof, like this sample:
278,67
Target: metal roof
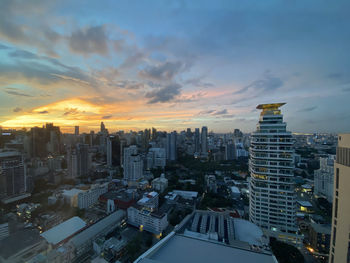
60,232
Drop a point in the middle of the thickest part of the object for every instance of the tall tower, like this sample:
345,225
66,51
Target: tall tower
197,140
340,241
272,203
171,146
204,140
76,130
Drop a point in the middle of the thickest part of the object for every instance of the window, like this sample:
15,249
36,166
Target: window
336,208
337,179
334,235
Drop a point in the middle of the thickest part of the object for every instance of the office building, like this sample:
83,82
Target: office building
340,242
204,140
13,179
171,146
229,151
272,196
132,164
206,236
323,178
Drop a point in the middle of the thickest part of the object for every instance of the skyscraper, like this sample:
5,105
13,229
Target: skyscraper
171,149
204,140
103,128
340,240
76,130
113,150
197,140
272,197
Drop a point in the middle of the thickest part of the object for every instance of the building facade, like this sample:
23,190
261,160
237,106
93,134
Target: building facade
272,197
340,240
132,164
323,178
91,196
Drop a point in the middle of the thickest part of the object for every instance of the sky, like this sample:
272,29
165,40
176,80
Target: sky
174,64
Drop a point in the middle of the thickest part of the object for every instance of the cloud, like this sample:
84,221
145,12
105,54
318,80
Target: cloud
19,53
162,72
267,83
17,109
165,94
308,109
43,112
222,112
106,117
129,84
15,92
3,46
71,111
206,112
335,75
89,40
199,83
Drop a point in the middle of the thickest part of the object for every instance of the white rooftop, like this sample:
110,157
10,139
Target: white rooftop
235,190
60,232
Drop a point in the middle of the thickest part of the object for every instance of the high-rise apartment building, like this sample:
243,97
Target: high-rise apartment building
340,240
204,140
323,178
272,196
78,161
132,164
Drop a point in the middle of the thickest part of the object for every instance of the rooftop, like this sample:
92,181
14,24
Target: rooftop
180,248
62,231
270,106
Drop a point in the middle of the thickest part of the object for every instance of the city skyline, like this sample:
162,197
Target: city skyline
203,65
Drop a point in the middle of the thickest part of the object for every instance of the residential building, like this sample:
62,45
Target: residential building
91,196
272,203
197,140
323,178
156,158
149,200
78,160
132,164
340,242
160,183
113,148
145,219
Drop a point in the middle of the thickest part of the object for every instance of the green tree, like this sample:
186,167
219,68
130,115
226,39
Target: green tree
286,253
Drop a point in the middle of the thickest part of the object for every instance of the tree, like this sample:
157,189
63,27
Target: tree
285,253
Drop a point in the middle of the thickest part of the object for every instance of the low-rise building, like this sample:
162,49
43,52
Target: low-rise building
320,238
149,200
71,196
90,197
144,219
160,183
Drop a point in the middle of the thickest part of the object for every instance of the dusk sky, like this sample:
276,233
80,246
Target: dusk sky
174,64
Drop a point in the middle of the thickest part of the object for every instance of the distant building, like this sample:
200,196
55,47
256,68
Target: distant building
91,196
160,183
145,219
204,140
340,243
113,151
171,146
78,161
229,152
71,196
323,178
156,158
197,140
132,164
76,130
13,177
